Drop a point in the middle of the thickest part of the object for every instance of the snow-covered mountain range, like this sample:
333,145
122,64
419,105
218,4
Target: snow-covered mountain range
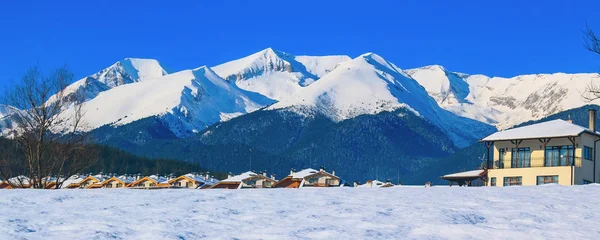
462,105
504,102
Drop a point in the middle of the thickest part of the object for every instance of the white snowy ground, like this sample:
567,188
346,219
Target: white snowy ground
544,212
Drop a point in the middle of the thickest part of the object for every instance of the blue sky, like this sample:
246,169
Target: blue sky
497,38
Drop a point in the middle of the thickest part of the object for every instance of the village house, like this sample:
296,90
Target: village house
73,181
466,178
374,184
556,151
150,182
309,178
16,182
92,181
193,180
246,180
117,182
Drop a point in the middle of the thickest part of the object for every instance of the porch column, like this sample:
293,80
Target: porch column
544,142
488,145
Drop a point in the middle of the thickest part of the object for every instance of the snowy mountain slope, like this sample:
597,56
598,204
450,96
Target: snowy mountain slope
126,71
503,102
186,101
369,84
6,110
276,74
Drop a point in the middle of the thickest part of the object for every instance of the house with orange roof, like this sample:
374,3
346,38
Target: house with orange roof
246,180
310,178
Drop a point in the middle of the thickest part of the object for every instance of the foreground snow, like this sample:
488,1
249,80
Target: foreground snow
545,212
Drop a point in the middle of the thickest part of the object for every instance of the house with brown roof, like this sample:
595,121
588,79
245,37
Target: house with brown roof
310,178
246,180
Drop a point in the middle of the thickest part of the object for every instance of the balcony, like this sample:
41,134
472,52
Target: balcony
538,162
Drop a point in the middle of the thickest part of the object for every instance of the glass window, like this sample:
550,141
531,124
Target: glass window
521,158
513,181
493,181
501,154
587,153
558,156
547,179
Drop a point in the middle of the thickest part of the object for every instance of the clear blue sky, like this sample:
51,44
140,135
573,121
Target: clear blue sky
498,38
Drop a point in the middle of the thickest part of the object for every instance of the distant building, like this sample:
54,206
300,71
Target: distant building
93,181
73,181
246,180
193,180
465,178
555,151
117,182
152,181
375,184
309,178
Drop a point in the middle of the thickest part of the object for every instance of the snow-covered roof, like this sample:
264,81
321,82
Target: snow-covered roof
241,177
201,178
374,183
19,180
304,173
72,179
549,129
126,179
158,179
472,173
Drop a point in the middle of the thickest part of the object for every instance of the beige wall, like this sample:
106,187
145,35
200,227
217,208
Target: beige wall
113,184
321,179
260,183
529,175
567,174
183,182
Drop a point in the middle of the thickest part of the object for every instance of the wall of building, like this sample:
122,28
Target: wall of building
529,175
322,179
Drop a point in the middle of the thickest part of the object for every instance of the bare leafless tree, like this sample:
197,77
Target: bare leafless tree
592,44
48,139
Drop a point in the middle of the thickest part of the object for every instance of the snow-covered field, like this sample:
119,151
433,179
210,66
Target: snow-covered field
543,212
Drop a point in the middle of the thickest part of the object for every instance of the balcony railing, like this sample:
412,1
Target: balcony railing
538,162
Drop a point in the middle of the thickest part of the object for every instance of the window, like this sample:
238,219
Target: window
513,181
251,182
313,180
586,182
547,179
501,154
587,153
558,156
520,158
493,181
267,183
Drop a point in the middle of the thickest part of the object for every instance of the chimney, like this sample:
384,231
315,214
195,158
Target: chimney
388,181
333,172
273,176
321,169
370,183
206,175
264,173
229,175
355,184
592,124
292,171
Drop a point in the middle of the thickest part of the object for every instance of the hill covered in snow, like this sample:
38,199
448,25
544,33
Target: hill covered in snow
541,212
